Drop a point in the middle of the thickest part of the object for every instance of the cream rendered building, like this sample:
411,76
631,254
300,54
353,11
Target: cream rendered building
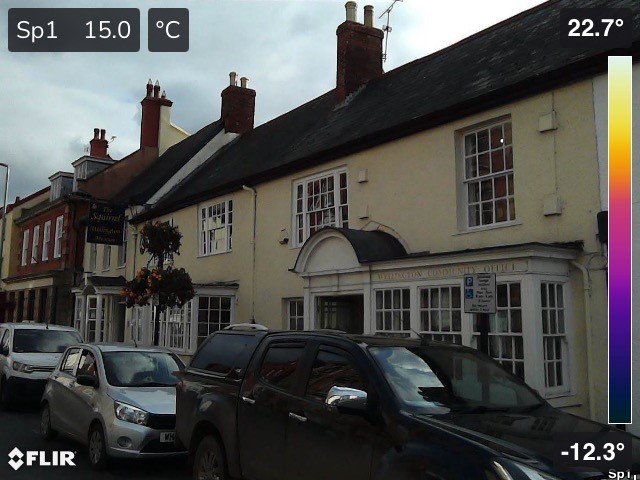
363,209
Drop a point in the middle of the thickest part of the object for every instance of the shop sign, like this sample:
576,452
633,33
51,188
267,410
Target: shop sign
106,224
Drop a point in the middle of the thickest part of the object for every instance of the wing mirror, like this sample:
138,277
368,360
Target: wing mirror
347,400
88,381
5,350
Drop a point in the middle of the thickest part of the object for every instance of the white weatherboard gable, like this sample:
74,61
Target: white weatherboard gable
215,144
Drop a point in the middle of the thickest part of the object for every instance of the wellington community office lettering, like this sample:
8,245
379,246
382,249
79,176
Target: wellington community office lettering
451,271
106,224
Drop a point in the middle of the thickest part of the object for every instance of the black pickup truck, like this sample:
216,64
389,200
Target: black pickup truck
263,405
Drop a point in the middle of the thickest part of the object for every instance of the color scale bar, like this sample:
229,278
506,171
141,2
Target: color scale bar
620,240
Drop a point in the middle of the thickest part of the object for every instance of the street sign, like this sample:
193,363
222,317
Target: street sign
480,293
106,224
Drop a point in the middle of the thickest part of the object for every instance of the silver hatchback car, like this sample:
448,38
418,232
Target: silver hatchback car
117,399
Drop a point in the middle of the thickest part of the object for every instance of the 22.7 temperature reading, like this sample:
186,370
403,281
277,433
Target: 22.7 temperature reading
588,25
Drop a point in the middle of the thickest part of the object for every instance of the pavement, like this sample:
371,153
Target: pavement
21,428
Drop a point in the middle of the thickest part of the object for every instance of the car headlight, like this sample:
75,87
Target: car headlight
509,470
22,367
129,413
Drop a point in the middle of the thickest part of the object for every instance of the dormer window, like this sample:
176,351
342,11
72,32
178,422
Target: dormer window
61,184
87,166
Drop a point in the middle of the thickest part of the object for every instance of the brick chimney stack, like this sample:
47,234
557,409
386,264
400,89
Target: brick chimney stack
98,145
151,105
238,105
359,51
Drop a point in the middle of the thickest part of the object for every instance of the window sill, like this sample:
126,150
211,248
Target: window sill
120,267
513,223
205,255
555,395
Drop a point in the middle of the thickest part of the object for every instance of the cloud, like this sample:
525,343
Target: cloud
52,101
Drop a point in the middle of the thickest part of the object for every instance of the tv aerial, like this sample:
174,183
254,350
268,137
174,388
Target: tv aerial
387,28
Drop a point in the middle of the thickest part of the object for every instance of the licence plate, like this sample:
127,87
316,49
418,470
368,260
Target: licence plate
166,437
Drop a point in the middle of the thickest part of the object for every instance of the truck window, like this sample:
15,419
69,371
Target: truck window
332,370
223,352
280,363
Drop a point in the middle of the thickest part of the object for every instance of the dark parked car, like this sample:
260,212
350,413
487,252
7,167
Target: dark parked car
316,405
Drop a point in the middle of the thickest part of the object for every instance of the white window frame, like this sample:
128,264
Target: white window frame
35,244
100,318
531,321
301,229
565,387
387,306
219,323
25,247
429,310
295,313
106,258
206,226
57,244
175,328
122,249
469,181
79,314
93,257
46,240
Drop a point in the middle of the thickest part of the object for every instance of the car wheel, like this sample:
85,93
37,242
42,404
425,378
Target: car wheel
5,400
97,447
209,462
46,431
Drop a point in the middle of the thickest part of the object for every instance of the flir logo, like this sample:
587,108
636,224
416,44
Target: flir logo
34,457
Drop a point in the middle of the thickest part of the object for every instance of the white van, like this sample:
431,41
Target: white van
29,352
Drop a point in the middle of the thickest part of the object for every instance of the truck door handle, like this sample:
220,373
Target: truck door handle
248,400
299,418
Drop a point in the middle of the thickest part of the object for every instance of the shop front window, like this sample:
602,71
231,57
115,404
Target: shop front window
553,335
441,314
393,311
214,314
95,319
175,327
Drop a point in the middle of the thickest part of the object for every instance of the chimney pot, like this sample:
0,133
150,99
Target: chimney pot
352,11
149,88
98,145
368,16
156,89
164,94
238,106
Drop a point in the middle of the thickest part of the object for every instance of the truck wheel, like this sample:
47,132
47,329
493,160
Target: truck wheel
46,431
209,462
97,447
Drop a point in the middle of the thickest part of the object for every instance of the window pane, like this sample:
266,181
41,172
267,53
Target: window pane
279,365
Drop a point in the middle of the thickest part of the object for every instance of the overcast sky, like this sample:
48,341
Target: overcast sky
50,102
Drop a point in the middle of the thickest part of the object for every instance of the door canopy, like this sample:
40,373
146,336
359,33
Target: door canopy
338,249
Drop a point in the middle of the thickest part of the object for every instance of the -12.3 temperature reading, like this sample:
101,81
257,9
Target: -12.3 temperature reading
608,450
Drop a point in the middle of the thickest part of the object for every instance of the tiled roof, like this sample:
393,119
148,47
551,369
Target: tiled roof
513,59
